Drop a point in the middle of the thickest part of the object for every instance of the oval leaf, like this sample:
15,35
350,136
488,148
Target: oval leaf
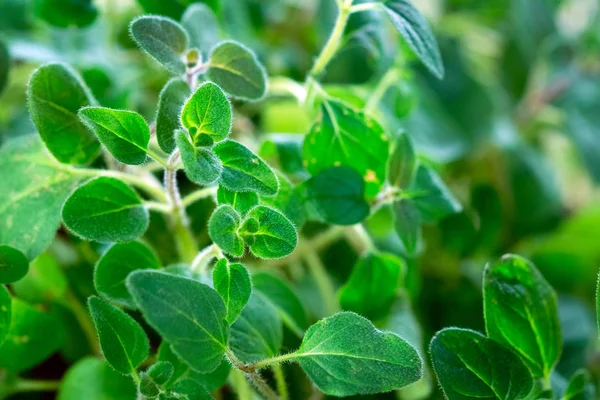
207,112
105,210
223,228
170,102
13,265
402,163
201,165
242,202
232,282
268,233
201,25
431,196
407,222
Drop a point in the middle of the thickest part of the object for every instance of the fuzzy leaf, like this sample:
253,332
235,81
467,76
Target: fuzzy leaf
13,265
5,312
170,102
55,93
163,39
581,387
232,282
244,171
431,196
268,233
201,25
191,389
236,70
402,162
105,210
201,165
207,112
469,365
161,372
124,133
187,314
345,355
242,202
123,341
521,312
223,228
147,387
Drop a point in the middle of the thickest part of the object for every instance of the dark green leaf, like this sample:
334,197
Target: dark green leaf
4,65
45,282
5,312
192,390
55,93
223,230
202,26
161,372
244,171
147,387
469,365
66,14
105,210
337,360
13,265
402,163
242,202
123,341
407,222
580,387
236,70
521,312
201,165
170,102
431,196
163,39
124,133
207,112
189,315
116,264
268,233
373,285
232,282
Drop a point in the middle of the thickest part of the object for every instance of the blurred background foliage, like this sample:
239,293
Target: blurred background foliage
514,129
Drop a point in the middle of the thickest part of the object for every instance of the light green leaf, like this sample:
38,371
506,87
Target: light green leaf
236,70
13,265
337,196
201,165
187,314
46,281
93,379
116,264
123,341
345,355
124,133
431,196
232,282
521,312
170,102
349,138
242,202
28,341
402,162
105,210
581,387
469,365
289,200
281,296
207,112
66,14
244,171
34,188
257,333
268,233
5,312
223,228
373,285
147,387
163,39
161,372
55,93
415,30
201,25
407,222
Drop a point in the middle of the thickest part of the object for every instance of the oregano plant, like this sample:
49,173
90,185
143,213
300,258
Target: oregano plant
298,200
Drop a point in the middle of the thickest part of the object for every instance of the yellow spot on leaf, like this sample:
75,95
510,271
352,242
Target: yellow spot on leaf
370,176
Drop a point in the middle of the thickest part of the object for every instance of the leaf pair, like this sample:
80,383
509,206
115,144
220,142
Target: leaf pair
267,232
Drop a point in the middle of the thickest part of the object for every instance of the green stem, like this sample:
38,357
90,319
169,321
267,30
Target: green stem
153,190
241,386
281,383
84,319
198,195
156,157
324,284
204,257
27,385
363,7
156,206
252,375
273,361
386,81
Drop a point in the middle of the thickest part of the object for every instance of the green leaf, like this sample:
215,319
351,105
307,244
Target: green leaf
191,389
5,313
335,356
161,372
4,65
93,379
105,210
268,233
415,30
124,133
163,39
289,200
244,171
337,196
407,222
469,365
373,285
232,282
34,188
55,93
123,341
207,112
170,102
32,337
13,265
201,165
189,315
223,228
66,14
45,282
402,162
257,333
201,25
281,296
580,387
242,202
521,312
235,68
431,196
349,138
147,387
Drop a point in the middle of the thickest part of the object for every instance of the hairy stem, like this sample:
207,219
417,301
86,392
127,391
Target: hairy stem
146,185
29,385
281,383
272,361
198,195
253,376
204,257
